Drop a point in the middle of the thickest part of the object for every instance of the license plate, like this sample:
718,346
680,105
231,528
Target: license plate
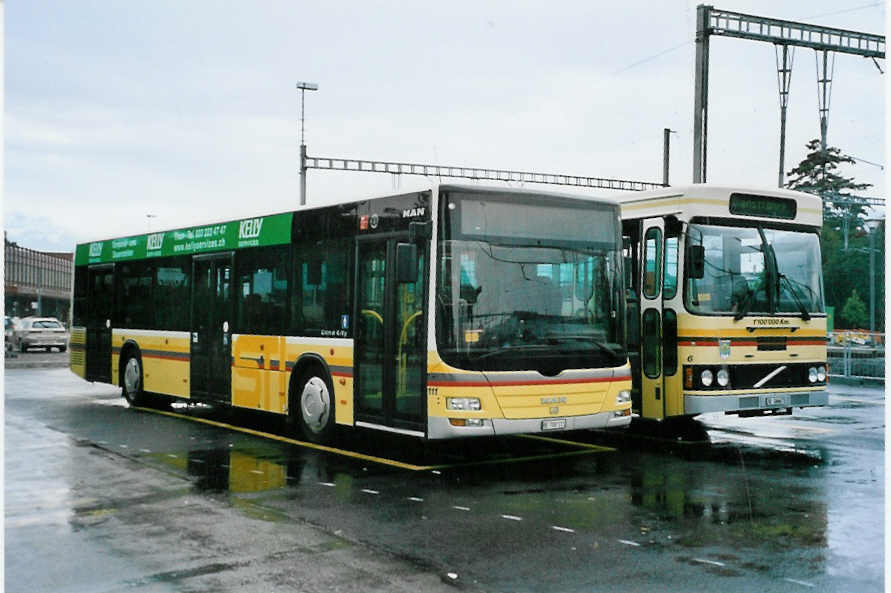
774,401
554,424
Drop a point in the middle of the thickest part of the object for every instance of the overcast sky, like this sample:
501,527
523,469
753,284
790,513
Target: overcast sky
187,110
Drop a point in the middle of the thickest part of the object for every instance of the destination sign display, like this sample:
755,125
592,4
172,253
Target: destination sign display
237,234
763,206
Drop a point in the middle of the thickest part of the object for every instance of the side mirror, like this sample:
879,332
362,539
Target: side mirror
420,231
406,263
695,261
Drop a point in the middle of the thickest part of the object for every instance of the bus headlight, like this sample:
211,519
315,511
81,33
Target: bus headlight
812,375
624,397
723,378
821,374
706,378
463,403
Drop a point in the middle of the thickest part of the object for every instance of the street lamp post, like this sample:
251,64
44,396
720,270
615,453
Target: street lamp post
873,226
303,87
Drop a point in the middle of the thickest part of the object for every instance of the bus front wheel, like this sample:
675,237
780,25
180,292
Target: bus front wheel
131,382
314,403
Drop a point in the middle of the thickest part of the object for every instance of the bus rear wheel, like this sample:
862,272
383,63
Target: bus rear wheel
131,382
313,404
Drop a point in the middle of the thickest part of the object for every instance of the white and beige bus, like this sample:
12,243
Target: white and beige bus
457,311
725,301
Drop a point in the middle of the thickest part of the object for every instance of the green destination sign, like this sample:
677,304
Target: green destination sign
765,206
238,234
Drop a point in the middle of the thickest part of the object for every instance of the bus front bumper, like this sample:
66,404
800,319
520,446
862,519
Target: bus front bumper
441,428
704,404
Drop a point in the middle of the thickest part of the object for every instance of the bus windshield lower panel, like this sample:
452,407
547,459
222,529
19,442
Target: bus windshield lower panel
759,271
529,286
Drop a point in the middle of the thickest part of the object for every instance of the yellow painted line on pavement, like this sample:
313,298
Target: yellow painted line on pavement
308,445
565,442
502,461
582,448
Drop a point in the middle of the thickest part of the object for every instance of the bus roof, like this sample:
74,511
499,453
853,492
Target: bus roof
488,189
255,231
719,201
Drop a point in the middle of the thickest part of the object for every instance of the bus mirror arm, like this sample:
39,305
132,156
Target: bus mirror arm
420,231
695,261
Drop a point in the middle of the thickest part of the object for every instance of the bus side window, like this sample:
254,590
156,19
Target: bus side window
652,261
172,293
670,280
669,342
322,287
262,291
81,283
134,289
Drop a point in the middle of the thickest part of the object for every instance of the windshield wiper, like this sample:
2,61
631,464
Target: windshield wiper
512,348
804,314
554,340
746,304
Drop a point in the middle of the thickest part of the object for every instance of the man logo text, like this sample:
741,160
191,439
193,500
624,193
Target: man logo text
96,249
412,212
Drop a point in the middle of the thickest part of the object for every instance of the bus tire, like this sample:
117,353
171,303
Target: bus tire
131,379
313,405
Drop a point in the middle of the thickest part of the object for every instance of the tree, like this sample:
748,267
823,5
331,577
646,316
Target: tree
854,311
817,174
844,237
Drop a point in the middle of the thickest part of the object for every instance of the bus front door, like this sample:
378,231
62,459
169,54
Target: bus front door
211,339
390,343
652,388
98,323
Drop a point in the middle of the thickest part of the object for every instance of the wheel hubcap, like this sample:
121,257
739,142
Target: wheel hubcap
315,404
131,376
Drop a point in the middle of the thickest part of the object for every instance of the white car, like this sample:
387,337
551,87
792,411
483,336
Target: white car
8,327
40,332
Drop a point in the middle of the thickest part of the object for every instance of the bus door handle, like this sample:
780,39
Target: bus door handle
658,393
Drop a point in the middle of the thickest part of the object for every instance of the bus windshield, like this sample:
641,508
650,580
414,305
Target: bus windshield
529,285
756,270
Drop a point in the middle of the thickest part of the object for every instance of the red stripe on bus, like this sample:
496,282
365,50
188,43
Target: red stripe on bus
184,357
816,342
521,383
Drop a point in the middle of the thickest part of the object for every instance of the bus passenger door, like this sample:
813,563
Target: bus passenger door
652,388
211,339
390,346
98,323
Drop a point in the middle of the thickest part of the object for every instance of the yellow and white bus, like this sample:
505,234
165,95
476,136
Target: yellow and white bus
725,301
453,312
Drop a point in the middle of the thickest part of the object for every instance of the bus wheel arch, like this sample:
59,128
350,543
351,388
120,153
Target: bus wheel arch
130,374
311,399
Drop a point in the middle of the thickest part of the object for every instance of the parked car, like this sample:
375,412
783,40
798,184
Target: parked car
40,332
8,326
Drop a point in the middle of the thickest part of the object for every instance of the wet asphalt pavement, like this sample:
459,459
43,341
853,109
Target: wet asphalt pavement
100,497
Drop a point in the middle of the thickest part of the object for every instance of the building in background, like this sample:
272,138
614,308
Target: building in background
37,283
